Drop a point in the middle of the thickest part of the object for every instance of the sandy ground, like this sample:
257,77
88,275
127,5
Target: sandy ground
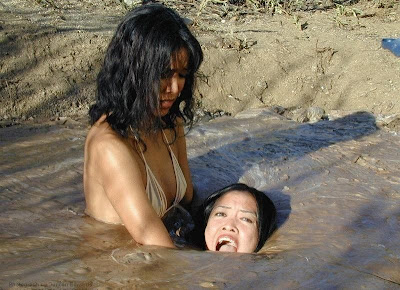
51,51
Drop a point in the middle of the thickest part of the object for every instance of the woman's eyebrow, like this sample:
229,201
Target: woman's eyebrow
242,210
223,206
249,211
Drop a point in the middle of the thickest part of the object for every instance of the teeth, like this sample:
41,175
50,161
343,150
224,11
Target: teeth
226,239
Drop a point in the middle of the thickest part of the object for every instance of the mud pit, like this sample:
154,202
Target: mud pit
336,184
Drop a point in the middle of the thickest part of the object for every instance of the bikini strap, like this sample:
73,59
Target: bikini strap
175,164
141,151
166,139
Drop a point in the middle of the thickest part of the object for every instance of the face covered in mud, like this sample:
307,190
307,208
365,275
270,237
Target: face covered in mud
233,223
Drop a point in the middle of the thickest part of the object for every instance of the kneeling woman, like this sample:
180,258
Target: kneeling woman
238,218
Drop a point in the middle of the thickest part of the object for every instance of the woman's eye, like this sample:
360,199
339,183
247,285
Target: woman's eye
247,220
220,214
167,74
183,76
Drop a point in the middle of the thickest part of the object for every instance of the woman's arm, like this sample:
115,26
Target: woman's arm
122,182
183,162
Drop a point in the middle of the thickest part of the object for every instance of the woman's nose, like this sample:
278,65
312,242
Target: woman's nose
230,227
173,85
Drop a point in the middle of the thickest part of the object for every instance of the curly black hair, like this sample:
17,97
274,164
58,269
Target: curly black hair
138,56
266,211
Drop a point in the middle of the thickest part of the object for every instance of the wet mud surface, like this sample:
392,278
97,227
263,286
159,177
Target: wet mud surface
336,185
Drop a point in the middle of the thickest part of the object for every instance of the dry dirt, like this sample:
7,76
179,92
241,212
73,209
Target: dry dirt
51,52
335,183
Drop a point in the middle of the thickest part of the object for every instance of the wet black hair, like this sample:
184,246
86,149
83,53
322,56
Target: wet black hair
137,58
266,211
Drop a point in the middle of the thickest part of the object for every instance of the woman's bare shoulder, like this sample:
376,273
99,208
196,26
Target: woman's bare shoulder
103,140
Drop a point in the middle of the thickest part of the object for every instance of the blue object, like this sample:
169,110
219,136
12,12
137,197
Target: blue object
393,44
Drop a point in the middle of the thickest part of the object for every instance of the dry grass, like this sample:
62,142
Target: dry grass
223,7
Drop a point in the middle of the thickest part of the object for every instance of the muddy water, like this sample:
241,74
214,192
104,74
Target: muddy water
336,184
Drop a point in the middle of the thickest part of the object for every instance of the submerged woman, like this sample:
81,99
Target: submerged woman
238,218
136,165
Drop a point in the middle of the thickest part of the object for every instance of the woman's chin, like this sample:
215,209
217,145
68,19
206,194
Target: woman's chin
163,113
164,110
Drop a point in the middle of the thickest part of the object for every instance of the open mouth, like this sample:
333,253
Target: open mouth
226,244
